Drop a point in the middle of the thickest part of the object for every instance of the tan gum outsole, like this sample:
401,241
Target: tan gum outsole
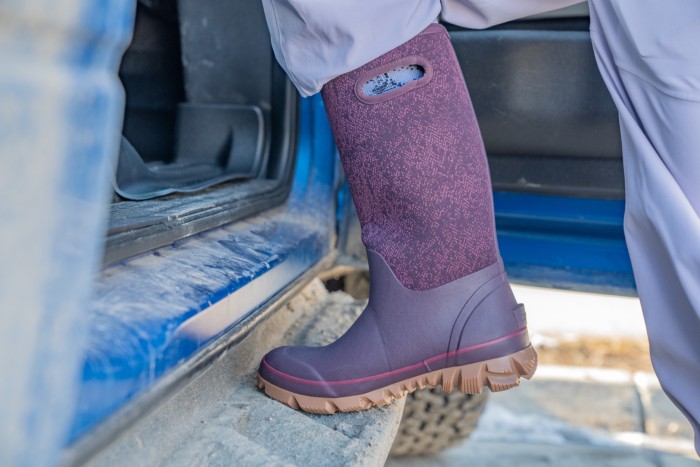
498,374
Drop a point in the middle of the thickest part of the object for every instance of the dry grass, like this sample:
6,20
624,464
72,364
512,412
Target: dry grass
626,354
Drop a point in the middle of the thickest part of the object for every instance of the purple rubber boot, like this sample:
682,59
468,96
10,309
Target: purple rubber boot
440,311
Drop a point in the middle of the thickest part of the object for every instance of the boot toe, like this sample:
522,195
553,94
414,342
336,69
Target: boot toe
289,366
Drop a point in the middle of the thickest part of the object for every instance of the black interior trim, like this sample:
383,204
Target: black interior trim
548,122
140,226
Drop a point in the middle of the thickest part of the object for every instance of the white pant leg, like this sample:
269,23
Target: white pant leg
317,40
648,54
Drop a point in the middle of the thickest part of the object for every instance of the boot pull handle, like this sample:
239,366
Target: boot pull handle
416,60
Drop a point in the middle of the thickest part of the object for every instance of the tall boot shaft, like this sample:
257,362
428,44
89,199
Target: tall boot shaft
416,164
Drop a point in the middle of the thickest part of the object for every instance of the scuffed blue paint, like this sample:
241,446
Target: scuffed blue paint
154,311
59,124
571,243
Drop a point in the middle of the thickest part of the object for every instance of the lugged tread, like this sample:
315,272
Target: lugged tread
498,374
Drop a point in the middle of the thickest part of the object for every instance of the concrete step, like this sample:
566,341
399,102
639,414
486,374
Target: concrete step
220,418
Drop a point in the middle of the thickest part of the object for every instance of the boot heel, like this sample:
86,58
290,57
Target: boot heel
497,374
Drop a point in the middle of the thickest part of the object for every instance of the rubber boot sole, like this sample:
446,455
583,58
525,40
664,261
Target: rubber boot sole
497,374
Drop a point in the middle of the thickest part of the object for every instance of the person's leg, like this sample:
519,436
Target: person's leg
440,311
647,53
